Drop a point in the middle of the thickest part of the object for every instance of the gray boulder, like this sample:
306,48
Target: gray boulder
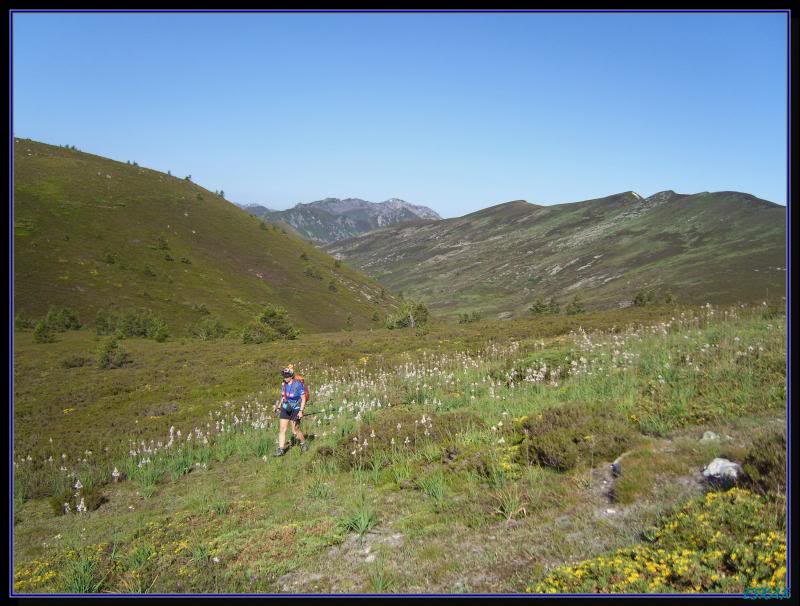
709,436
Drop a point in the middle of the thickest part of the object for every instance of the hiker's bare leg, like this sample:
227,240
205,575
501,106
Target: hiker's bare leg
296,431
282,433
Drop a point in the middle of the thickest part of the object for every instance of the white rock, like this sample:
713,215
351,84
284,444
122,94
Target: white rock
709,436
722,469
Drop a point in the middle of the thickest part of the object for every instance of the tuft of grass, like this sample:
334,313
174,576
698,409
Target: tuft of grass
201,554
380,580
220,506
434,486
511,503
361,519
81,575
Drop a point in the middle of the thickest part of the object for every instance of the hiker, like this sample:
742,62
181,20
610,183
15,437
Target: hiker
291,406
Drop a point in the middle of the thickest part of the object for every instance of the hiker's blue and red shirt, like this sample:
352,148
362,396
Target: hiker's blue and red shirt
292,394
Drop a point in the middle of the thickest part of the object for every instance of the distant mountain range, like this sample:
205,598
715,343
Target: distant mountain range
705,247
334,219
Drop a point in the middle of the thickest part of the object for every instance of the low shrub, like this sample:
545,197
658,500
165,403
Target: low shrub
142,323
255,332
105,321
21,323
43,334
208,329
75,361
271,324
764,465
562,438
725,542
112,355
70,501
467,318
62,319
411,314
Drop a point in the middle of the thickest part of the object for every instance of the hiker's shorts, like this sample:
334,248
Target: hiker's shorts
290,414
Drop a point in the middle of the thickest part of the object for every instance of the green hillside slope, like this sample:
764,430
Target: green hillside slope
707,247
89,232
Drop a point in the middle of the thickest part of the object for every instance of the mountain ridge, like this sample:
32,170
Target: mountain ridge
333,219
709,246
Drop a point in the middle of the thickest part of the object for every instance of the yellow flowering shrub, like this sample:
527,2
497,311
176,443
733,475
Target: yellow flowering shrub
722,543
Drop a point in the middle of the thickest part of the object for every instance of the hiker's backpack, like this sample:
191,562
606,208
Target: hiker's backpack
300,378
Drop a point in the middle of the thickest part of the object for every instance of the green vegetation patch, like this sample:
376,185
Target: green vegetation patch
721,543
562,438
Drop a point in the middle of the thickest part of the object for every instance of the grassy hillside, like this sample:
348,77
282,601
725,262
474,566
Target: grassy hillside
90,232
477,454
709,247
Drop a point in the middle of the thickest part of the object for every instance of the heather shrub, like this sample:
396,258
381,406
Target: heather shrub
764,465
564,437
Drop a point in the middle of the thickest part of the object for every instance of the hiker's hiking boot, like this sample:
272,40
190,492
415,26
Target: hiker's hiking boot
303,446
280,452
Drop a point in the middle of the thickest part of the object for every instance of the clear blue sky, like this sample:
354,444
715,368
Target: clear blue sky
454,111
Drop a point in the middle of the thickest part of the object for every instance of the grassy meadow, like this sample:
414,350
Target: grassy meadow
454,459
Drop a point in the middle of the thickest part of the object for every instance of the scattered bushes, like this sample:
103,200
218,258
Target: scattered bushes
105,321
539,307
411,314
143,323
644,297
313,272
131,323
112,355
62,319
575,306
466,318
21,323
43,334
271,324
208,329
564,437
201,308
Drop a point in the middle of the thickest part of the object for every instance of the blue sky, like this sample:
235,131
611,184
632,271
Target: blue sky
454,111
